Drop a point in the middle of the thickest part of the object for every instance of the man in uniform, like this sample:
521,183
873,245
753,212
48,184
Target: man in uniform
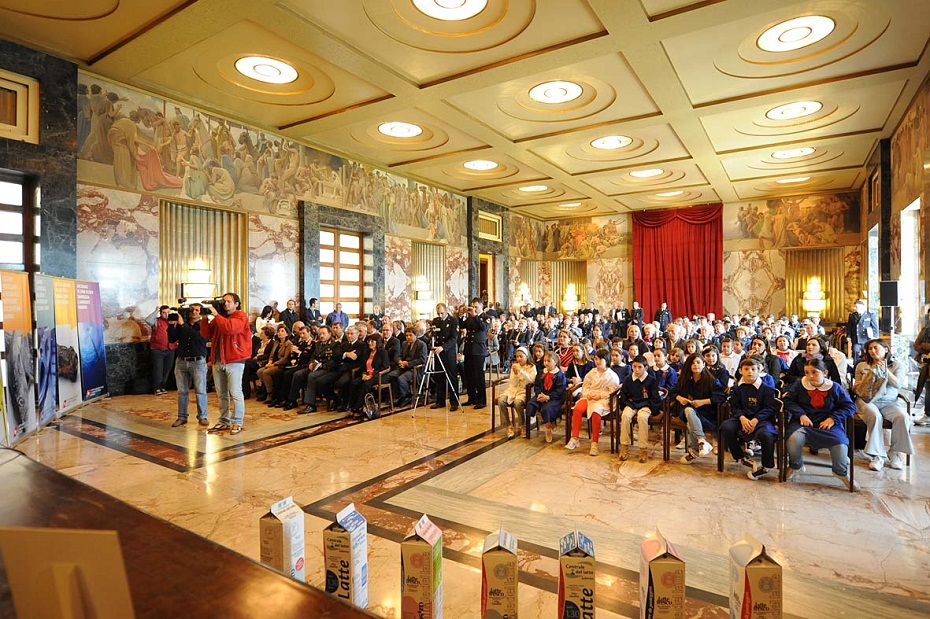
663,317
445,332
861,327
476,325
326,354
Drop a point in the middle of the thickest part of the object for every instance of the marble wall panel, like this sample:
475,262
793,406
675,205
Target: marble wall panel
398,295
610,281
499,249
273,243
457,276
754,282
117,245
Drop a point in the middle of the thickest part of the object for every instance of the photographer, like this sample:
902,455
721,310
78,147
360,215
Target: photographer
191,365
228,328
476,325
444,335
162,350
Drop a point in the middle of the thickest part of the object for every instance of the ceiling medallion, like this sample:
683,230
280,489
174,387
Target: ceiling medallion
400,130
793,153
790,111
534,188
791,181
555,92
647,173
669,194
480,165
450,10
570,205
611,142
796,33
268,70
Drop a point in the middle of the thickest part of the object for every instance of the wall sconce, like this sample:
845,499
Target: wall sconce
814,301
523,293
423,302
570,300
197,284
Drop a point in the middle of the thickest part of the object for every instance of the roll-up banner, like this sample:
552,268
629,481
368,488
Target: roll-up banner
48,348
90,339
19,369
66,338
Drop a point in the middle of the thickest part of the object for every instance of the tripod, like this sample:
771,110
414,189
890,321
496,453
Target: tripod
428,371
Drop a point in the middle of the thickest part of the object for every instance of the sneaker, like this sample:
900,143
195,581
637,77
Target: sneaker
235,429
221,426
681,445
845,480
923,421
179,422
793,474
876,464
510,432
895,462
750,464
594,450
548,435
705,449
642,456
757,474
572,444
748,450
688,458
624,453
203,421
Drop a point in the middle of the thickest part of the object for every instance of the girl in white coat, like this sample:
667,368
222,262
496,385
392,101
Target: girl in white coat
598,384
522,373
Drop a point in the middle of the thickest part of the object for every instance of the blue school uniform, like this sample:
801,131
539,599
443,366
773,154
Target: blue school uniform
639,394
836,404
747,400
549,411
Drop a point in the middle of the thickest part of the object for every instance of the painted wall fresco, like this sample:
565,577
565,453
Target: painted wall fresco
610,281
398,296
854,276
526,237
273,243
754,281
799,221
138,142
457,276
117,245
587,238
908,147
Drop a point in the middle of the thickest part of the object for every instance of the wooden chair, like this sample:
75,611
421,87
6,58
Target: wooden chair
781,443
382,385
656,420
723,413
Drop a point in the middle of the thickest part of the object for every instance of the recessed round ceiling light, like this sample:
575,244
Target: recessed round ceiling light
480,164
795,33
533,188
611,142
570,205
796,179
266,70
450,10
669,194
555,92
797,109
794,153
400,130
647,173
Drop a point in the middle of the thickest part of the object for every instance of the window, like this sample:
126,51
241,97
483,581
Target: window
19,226
342,274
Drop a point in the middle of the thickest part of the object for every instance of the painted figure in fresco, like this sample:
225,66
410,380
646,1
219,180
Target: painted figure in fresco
97,148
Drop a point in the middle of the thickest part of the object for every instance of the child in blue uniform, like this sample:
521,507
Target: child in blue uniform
753,408
548,392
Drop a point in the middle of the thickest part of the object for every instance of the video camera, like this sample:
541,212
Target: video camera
208,306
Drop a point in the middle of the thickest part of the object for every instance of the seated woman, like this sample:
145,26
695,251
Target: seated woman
639,398
635,336
816,348
548,393
250,371
522,373
377,361
753,409
278,357
818,408
712,359
265,319
878,378
698,393
598,384
577,369
564,349
772,365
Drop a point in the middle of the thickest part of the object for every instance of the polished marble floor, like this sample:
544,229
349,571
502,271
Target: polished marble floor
844,555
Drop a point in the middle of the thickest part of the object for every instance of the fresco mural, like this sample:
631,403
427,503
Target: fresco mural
398,300
587,238
137,142
908,147
854,279
526,236
799,221
754,281
457,276
273,242
117,246
610,281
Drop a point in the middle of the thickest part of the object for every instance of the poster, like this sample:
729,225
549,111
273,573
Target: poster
90,339
48,352
66,339
19,374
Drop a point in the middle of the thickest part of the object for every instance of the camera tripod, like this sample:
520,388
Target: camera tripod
430,369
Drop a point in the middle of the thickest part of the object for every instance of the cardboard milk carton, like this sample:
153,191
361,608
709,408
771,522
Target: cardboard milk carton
499,576
421,572
282,538
345,555
576,577
661,580
755,582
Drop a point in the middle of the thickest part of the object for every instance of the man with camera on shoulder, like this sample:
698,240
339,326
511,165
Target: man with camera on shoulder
227,327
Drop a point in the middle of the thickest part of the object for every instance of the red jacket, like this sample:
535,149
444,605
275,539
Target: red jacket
231,336
159,337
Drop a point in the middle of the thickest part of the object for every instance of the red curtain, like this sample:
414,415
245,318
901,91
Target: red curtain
678,259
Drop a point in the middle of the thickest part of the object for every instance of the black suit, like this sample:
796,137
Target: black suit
860,328
476,350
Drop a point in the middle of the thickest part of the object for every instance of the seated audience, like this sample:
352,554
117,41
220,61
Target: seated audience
548,393
577,369
639,397
752,412
697,394
816,348
403,374
522,373
371,365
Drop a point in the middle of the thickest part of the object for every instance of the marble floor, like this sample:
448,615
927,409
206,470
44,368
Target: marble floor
844,555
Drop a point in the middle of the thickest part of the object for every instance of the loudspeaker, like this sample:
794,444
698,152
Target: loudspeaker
888,293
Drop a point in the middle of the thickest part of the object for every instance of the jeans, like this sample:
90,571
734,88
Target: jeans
161,365
187,374
227,379
795,446
695,431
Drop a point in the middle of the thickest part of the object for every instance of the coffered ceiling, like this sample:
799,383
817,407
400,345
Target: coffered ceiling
698,101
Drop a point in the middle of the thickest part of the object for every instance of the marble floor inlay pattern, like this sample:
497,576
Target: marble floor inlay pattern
844,555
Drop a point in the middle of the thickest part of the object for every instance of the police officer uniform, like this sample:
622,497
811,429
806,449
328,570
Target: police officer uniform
476,350
445,332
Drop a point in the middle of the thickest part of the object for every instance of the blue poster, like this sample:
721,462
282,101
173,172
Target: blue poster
90,339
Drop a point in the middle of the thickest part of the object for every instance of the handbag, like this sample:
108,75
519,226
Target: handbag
370,409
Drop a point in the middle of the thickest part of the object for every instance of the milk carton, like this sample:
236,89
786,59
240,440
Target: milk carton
499,576
755,582
661,580
421,572
576,577
282,538
345,555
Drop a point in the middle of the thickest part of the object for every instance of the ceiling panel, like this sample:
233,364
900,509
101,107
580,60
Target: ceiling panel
672,199
813,155
545,192
557,211
460,172
658,179
803,184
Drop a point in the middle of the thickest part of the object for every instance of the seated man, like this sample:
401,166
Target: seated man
402,374
354,353
295,374
323,369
